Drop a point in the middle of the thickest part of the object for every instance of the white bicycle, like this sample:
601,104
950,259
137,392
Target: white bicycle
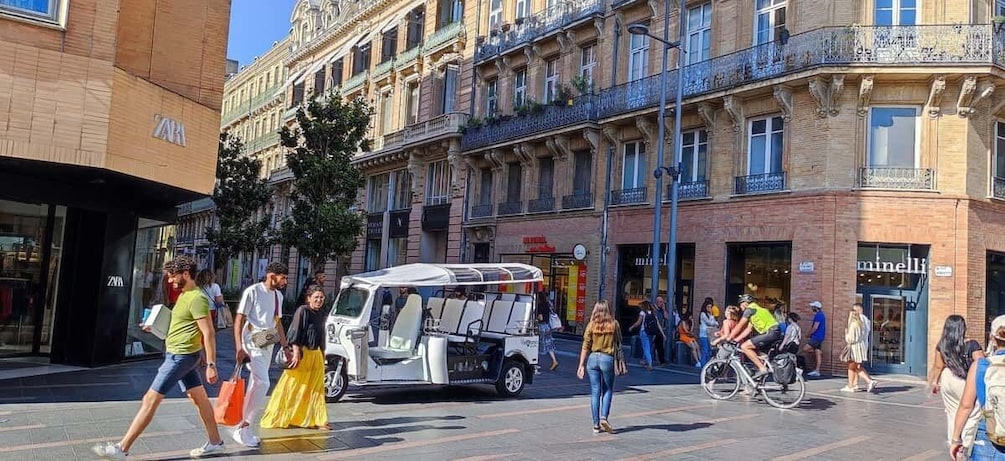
722,377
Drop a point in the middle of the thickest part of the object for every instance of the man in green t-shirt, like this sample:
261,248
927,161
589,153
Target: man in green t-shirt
756,319
190,328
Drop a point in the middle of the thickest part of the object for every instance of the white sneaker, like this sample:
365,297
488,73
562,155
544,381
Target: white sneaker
207,449
848,389
109,450
244,437
813,374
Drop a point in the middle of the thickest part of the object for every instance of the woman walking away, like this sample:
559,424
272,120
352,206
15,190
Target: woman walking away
601,348
544,327
299,398
207,284
953,356
856,351
707,324
980,380
645,323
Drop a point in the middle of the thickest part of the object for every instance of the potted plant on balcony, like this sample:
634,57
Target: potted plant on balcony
473,123
582,84
563,96
998,21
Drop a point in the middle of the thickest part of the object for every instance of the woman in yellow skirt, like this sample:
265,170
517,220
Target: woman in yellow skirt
299,397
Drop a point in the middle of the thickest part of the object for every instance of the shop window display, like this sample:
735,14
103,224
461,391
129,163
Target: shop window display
154,247
762,270
635,279
890,284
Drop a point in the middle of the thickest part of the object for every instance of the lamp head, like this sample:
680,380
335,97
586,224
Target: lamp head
638,29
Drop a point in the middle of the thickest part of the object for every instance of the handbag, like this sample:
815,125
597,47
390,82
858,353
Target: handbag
620,366
554,322
229,409
284,358
267,337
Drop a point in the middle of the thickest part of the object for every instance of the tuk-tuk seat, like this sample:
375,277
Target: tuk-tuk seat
405,334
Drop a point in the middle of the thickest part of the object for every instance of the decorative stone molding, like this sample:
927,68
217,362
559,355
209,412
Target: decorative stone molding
593,138
971,95
564,44
530,51
934,104
598,23
454,160
612,134
707,114
783,95
836,88
647,129
565,151
734,108
864,94
471,163
414,167
495,159
654,6
820,93
570,35
552,147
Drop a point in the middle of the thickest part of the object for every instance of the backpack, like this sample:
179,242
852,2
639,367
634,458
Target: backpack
784,365
650,324
994,399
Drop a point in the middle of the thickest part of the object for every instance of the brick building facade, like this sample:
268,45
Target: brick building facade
109,117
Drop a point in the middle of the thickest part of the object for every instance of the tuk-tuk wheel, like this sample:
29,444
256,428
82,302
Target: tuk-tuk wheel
511,380
336,380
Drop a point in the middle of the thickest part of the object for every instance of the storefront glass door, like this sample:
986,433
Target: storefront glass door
27,279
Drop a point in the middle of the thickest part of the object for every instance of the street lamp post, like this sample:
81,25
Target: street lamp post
672,171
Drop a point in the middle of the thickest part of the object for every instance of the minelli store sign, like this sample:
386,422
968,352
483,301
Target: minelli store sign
909,266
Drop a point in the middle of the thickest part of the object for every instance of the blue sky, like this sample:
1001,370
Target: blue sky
254,25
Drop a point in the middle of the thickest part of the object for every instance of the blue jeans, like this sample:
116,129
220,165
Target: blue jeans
600,367
706,348
983,449
647,346
182,369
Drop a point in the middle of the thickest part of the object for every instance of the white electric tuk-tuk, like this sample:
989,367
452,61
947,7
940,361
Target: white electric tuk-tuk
408,325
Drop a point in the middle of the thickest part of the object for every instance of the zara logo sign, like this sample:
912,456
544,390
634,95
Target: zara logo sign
170,130
115,281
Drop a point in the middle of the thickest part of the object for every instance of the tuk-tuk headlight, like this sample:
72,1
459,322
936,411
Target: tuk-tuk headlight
358,333
331,333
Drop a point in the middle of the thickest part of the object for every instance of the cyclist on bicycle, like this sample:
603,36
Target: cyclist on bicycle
763,323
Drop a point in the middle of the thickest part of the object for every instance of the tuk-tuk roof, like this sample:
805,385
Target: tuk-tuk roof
424,274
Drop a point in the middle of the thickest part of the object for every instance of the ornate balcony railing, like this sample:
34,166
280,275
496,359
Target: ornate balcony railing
541,205
262,142
393,140
408,56
998,187
897,178
436,126
355,81
444,35
758,183
549,117
688,190
481,211
530,28
628,196
829,46
383,68
510,208
577,201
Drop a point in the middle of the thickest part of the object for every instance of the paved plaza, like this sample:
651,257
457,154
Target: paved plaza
658,415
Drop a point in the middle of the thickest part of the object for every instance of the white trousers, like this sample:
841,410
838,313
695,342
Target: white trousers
952,391
255,396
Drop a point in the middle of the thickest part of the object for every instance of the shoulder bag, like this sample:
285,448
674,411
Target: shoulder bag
267,337
620,365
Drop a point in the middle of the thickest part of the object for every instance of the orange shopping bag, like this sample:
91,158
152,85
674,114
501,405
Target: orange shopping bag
230,403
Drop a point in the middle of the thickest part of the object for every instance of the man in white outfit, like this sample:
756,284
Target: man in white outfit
260,310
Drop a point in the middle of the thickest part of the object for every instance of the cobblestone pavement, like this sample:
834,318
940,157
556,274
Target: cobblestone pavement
658,415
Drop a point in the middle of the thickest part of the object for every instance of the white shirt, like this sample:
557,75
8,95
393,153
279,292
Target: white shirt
212,292
866,329
258,304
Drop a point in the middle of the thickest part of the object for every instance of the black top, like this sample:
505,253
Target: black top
543,310
307,329
969,347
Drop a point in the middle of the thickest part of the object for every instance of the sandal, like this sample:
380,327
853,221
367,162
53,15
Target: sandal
554,366
606,426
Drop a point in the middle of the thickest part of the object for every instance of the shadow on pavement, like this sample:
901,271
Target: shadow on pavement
892,389
816,404
665,427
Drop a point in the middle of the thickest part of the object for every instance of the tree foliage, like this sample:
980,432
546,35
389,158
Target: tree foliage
239,194
323,223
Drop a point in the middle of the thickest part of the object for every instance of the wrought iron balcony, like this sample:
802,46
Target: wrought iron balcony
932,45
354,82
510,208
445,35
897,178
437,126
577,201
546,118
628,196
537,26
408,56
383,68
998,187
688,190
759,183
541,205
481,211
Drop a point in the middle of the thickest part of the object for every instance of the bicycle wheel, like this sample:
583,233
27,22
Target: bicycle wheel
783,396
719,379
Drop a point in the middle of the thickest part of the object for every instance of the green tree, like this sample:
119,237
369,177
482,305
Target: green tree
239,194
323,223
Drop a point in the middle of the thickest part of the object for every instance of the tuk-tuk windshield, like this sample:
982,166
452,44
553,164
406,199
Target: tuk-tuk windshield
350,302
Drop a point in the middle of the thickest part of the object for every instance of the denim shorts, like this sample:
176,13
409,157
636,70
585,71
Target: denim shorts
182,369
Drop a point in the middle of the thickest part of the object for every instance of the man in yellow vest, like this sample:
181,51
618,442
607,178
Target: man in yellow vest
758,320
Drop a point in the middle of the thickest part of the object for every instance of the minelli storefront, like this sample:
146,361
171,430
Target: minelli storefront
566,252
98,148
910,265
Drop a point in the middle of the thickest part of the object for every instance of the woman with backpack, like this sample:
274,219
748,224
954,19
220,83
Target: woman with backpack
953,356
648,329
984,381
